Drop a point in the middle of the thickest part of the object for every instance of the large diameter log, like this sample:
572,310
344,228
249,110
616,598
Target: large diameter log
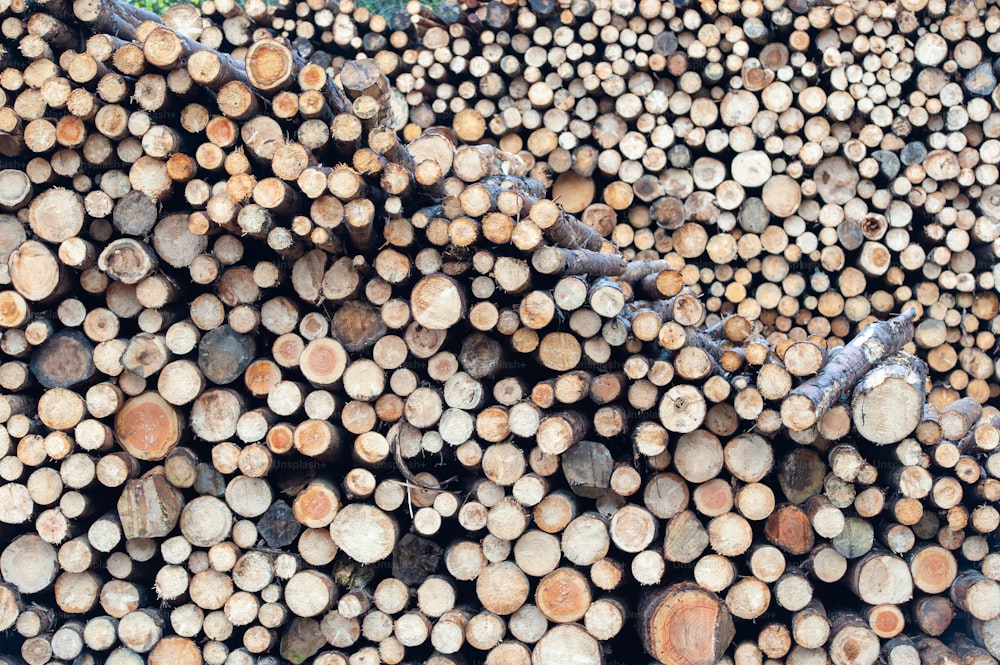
684,538
323,361
364,533
175,650
56,214
64,361
271,65
358,325
933,568
414,559
438,302
36,273
556,644
802,408
789,528
587,466
976,594
800,474
215,414
852,641
10,606
224,354
363,77
880,577
888,402
135,214
149,507
147,427
29,563
563,595
684,625
987,635
127,260
683,409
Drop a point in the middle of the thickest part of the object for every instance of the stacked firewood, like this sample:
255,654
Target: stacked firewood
282,385
866,128
871,142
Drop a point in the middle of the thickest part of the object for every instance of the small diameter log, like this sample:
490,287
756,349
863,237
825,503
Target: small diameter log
559,261
684,625
804,405
958,419
562,229
115,18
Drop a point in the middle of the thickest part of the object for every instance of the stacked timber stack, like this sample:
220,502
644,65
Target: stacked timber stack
280,386
806,166
867,130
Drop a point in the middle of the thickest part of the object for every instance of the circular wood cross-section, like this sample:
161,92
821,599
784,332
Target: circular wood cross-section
148,427
65,360
437,302
563,595
269,65
364,533
685,625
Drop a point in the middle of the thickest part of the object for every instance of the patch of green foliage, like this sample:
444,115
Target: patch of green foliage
159,6
389,7
382,7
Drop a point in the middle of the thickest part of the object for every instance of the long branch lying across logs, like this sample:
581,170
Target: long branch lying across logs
293,373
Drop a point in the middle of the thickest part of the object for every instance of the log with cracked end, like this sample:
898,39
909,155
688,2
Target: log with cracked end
684,625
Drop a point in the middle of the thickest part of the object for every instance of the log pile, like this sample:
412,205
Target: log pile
865,128
292,373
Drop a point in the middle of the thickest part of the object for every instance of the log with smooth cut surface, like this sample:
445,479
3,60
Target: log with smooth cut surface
148,427
438,302
888,402
684,625
365,533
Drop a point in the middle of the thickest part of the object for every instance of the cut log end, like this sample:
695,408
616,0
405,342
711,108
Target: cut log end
147,427
685,625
